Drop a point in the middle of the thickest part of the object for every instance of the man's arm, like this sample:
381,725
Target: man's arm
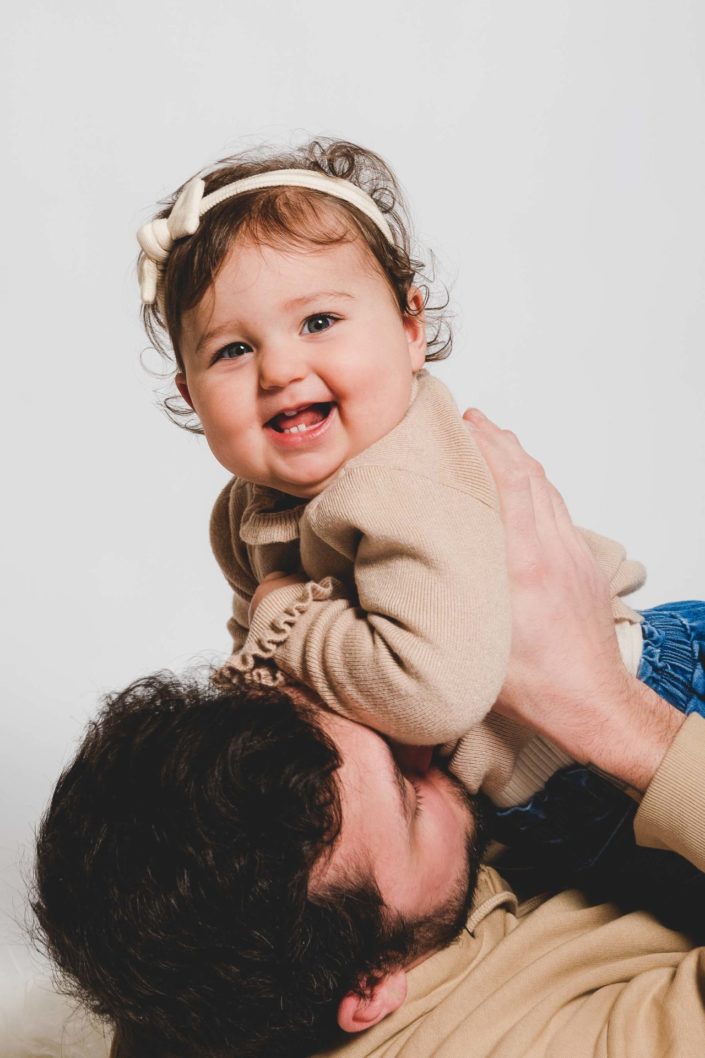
566,679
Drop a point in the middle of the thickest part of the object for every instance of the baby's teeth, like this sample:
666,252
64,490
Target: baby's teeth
296,429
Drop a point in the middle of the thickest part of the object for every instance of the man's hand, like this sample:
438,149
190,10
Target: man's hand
270,583
566,679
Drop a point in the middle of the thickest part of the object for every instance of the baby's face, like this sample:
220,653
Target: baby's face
297,360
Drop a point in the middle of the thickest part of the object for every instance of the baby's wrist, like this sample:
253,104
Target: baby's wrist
272,582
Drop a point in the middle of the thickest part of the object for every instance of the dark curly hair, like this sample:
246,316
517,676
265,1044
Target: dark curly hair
172,885
292,217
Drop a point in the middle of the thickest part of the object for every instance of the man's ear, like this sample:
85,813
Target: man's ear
182,386
382,997
415,327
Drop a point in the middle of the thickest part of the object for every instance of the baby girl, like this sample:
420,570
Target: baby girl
360,532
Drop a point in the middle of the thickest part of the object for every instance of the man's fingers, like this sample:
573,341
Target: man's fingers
564,522
533,511
502,454
573,540
526,496
506,453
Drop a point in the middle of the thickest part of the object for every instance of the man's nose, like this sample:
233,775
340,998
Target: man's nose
413,760
280,364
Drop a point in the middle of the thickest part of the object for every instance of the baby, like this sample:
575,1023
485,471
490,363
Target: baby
360,533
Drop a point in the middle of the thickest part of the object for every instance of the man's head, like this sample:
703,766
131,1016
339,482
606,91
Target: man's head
242,872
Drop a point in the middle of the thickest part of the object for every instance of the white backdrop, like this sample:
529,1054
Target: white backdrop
554,157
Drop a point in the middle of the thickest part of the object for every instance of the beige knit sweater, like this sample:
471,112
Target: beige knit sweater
567,979
404,623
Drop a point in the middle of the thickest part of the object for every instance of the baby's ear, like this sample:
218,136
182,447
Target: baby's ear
415,328
182,386
381,997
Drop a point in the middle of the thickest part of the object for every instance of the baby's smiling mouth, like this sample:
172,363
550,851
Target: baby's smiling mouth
301,419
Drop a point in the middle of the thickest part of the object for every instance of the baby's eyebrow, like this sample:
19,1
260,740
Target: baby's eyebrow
208,336
296,303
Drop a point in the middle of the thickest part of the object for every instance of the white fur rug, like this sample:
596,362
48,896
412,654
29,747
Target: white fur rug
36,1022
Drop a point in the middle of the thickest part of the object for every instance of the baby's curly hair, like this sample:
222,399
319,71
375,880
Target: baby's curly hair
293,217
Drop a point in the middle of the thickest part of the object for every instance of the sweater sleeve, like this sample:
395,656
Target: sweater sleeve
419,649
231,556
672,812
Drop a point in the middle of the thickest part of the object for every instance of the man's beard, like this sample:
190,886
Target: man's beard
412,939
385,940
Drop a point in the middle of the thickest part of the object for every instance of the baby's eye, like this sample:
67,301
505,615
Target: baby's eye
320,322
232,351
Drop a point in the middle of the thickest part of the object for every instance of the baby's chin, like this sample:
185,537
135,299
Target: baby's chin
306,486
303,487
306,491
297,490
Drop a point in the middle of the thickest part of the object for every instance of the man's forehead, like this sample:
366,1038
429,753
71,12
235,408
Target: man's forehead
372,792
369,769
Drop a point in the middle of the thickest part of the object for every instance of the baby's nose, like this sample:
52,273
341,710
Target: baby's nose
279,365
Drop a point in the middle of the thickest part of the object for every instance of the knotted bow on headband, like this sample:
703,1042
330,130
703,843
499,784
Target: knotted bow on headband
158,236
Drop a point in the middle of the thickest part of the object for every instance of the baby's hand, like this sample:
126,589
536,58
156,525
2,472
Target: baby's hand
271,582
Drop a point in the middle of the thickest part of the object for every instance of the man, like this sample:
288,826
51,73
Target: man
245,874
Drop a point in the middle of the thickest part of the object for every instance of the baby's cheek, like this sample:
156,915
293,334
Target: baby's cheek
224,416
230,445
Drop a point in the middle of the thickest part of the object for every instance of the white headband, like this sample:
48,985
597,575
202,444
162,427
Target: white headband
158,236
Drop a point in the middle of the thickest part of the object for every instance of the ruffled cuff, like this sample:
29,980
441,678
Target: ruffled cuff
271,626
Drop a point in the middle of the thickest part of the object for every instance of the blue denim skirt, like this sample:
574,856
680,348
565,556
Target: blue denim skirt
579,828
